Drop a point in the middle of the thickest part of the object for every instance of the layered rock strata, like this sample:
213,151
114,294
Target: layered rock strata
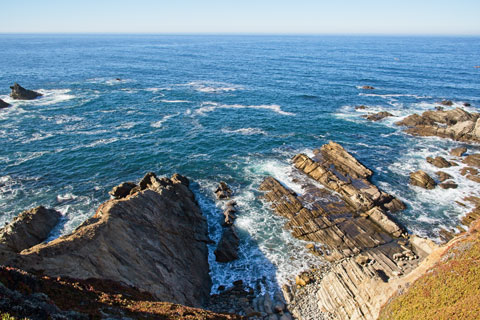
153,239
349,219
456,124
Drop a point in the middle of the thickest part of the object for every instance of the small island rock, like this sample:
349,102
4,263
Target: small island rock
422,179
20,93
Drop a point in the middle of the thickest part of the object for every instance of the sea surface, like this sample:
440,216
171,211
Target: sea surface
231,108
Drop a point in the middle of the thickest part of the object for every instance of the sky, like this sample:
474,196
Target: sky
423,17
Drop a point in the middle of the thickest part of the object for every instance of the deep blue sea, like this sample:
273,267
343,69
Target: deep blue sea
232,108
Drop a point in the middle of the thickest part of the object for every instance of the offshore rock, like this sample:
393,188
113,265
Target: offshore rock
458,152
20,93
446,103
442,176
368,88
448,185
223,191
456,124
30,228
147,240
3,104
422,179
472,160
378,116
440,162
227,249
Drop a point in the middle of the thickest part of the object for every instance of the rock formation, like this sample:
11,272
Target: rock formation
3,104
422,179
456,124
227,249
30,228
148,240
368,88
20,93
458,152
440,162
223,191
378,116
349,220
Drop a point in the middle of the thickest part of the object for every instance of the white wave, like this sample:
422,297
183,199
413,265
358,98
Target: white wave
127,125
66,197
100,142
245,131
393,95
213,87
212,106
49,97
22,157
37,137
159,123
109,81
175,101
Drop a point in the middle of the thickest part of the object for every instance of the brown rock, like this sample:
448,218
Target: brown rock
448,185
395,205
20,93
147,240
30,228
223,191
422,179
439,162
472,160
442,176
3,104
378,116
412,120
122,190
362,107
368,88
446,103
458,152
227,249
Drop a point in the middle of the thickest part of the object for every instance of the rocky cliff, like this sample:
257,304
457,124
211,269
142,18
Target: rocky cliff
153,239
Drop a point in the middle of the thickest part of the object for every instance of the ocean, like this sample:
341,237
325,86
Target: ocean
226,108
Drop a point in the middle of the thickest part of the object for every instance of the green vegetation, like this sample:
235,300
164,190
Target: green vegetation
450,290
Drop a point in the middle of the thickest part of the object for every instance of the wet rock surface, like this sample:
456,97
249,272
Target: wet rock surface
349,221
458,152
148,240
20,93
378,116
421,179
227,249
3,104
440,162
223,191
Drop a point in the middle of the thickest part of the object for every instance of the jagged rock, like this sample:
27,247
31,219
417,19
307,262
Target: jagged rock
30,228
368,88
378,116
395,205
446,103
122,190
3,104
229,215
20,93
147,240
362,107
442,176
422,179
227,249
472,160
440,162
458,152
448,185
223,191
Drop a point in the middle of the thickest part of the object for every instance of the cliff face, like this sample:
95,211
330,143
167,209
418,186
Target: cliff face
154,239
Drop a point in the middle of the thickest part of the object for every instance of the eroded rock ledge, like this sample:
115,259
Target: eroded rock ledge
348,221
154,239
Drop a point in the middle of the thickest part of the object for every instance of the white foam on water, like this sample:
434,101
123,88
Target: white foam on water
100,142
66,197
212,106
37,137
50,97
245,131
213,87
127,125
22,157
159,123
175,101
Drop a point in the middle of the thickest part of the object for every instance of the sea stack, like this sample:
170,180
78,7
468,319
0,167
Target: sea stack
20,93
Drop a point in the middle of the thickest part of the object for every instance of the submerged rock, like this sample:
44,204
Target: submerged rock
368,88
227,249
3,104
30,228
20,93
147,240
378,116
422,179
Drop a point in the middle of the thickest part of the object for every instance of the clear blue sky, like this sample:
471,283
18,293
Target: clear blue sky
242,16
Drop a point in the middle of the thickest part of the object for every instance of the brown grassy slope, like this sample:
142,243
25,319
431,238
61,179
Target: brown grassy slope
450,290
94,297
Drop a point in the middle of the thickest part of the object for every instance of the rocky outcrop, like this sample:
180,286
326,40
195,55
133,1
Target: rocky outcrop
448,185
227,249
20,93
223,191
472,160
458,152
443,176
29,228
378,116
3,104
456,124
440,162
25,295
368,88
122,190
349,222
446,103
147,240
421,179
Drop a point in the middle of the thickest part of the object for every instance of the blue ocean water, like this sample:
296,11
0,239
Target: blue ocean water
232,108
